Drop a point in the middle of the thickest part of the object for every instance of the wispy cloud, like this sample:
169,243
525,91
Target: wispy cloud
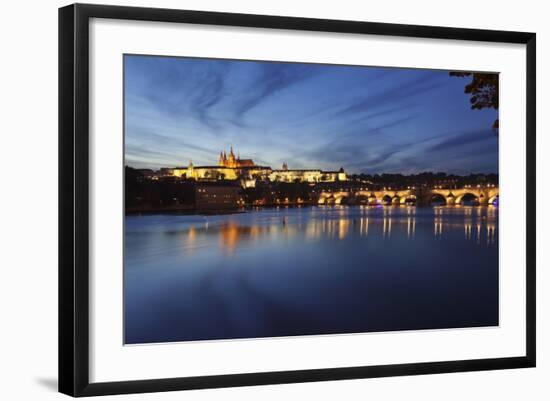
311,116
270,78
394,94
465,139
209,96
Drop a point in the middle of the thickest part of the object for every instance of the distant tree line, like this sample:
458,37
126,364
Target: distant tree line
427,179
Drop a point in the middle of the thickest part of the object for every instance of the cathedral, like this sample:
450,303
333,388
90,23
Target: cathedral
233,162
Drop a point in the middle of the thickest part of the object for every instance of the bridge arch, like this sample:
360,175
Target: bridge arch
408,199
372,199
494,200
469,197
341,200
326,199
438,199
386,199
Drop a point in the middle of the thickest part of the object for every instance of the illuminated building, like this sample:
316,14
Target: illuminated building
234,162
203,173
307,175
231,167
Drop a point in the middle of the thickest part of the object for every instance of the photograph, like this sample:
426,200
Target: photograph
267,199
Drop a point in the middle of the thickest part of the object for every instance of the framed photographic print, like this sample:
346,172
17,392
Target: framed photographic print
249,199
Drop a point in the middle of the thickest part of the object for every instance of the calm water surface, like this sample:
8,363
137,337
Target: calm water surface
314,270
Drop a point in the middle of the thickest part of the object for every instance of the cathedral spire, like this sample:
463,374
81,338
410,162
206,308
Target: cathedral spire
231,159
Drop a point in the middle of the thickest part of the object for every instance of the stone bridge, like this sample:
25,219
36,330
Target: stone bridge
484,195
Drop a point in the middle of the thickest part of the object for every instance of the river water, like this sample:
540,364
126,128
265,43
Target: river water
310,270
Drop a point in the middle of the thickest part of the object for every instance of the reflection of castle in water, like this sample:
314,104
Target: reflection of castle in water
326,224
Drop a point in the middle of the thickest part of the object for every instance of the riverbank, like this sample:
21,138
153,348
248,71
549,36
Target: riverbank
181,210
187,210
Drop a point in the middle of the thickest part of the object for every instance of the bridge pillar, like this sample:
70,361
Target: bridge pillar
450,200
423,196
483,199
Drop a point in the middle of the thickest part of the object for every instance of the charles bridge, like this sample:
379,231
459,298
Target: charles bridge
480,194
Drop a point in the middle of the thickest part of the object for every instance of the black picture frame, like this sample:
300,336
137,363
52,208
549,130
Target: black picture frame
74,198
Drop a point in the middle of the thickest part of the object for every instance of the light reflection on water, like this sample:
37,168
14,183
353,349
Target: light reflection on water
292,271
336,222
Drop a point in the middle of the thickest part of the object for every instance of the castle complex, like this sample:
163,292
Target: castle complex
231,167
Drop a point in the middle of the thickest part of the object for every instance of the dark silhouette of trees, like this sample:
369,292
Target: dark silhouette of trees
144,194
483,90
133,181
428,178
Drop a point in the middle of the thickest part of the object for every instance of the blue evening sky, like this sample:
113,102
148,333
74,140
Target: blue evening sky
365,119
